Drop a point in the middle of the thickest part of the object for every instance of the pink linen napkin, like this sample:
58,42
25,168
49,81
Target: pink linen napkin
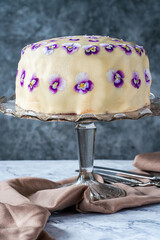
26,204
148,161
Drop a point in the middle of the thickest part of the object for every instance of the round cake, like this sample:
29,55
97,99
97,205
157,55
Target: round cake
83,74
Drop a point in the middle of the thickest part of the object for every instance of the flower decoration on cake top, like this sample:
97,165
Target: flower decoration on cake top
53,40
22,77
33,83
35,46
62,37
84,84
115,39
92,36
23,50
85,42
116,77
71,47
136,82
138,49
91,49
147,76
126,48
108,47
74,39
93,40
56,83
49,48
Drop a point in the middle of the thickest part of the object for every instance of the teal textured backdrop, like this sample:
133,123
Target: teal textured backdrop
23,22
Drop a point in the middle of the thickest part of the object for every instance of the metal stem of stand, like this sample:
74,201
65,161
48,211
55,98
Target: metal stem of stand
86,144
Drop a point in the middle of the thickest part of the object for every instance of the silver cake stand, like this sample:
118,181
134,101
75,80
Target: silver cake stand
86,131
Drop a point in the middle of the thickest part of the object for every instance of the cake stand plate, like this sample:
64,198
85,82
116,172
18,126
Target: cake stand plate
86,131
8,106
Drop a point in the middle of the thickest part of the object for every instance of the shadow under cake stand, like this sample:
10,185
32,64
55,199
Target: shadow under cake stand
86,131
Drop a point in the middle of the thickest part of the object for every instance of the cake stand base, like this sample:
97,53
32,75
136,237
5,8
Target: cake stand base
99,191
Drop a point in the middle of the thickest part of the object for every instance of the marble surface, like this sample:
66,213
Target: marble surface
137,223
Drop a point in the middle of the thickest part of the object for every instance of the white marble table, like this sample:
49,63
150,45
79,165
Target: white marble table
142,223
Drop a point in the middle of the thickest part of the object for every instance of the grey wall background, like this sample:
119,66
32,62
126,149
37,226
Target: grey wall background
23,22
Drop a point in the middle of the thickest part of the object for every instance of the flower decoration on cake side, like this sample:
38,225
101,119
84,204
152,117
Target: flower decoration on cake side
56,83
91,49
33,83
35,46
126,48
71,47
117,77
48,49
147,76
84,84
93,40
22,77
74,39
108,47
138,49
136,82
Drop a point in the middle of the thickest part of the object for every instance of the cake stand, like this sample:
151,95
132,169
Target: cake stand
86,131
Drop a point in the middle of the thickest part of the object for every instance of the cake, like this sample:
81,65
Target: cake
83,74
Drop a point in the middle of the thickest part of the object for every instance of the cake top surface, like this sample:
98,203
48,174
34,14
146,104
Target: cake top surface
89,43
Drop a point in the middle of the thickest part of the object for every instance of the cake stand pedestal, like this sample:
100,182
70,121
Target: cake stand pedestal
86,131
86,144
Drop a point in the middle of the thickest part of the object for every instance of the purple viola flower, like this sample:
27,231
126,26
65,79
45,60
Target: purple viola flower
17,73
74,39
48,49
61,37
71,47
116,40
93,37
33,83
84,84
91,49
53,40
136,82
125,48
139,49
93,40
147,76
108,47
35,46
116,77
24,49
56,83
23,75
